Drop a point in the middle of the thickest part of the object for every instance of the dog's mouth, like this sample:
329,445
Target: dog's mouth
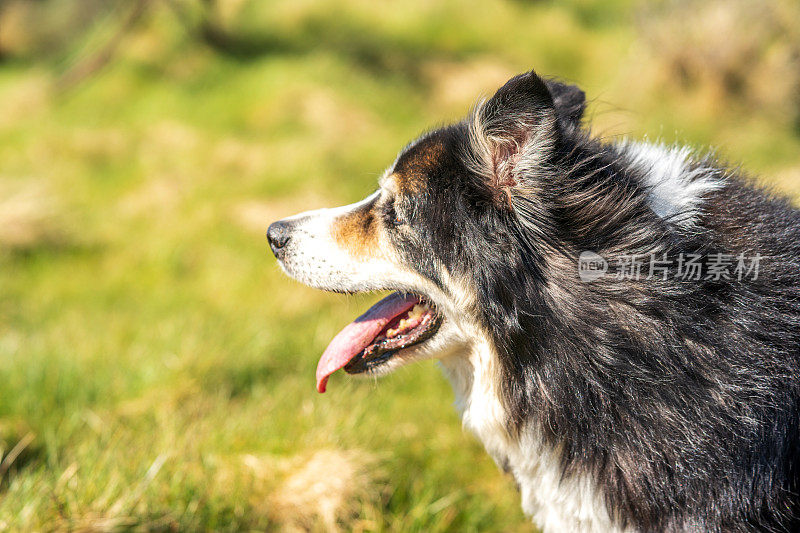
398,321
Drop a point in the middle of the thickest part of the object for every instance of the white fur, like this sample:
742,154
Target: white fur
676,191
554,502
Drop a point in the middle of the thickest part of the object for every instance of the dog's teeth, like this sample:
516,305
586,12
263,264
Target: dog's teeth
416,312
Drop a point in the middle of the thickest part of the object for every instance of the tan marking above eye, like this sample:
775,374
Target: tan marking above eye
418,162
407,182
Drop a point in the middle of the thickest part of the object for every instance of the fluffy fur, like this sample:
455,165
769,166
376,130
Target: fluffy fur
621,404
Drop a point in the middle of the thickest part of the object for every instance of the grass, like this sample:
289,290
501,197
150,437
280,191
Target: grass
157,368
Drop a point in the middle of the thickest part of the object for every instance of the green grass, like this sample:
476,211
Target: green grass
157,367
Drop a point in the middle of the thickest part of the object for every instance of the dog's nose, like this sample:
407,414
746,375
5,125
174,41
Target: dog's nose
278,235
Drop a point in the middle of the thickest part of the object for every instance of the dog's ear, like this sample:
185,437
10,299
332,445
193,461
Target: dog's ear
569,101
522,103
515,130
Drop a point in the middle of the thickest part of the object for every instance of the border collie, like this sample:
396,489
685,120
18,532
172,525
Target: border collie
620,321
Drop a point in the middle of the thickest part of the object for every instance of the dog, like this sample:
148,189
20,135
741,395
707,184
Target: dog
620,321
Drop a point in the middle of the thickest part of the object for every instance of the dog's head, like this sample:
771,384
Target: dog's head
449,214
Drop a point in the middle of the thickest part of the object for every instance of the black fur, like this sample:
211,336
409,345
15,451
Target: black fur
679,397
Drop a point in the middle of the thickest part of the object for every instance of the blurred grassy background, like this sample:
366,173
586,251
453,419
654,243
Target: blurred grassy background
156,368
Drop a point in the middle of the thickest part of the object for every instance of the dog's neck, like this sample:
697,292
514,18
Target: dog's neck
555,501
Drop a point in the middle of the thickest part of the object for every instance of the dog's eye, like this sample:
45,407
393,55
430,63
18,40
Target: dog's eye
392,217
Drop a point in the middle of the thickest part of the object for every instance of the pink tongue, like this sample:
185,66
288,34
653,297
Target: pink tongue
360,334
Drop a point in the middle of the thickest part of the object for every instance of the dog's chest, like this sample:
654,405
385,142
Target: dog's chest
555,503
